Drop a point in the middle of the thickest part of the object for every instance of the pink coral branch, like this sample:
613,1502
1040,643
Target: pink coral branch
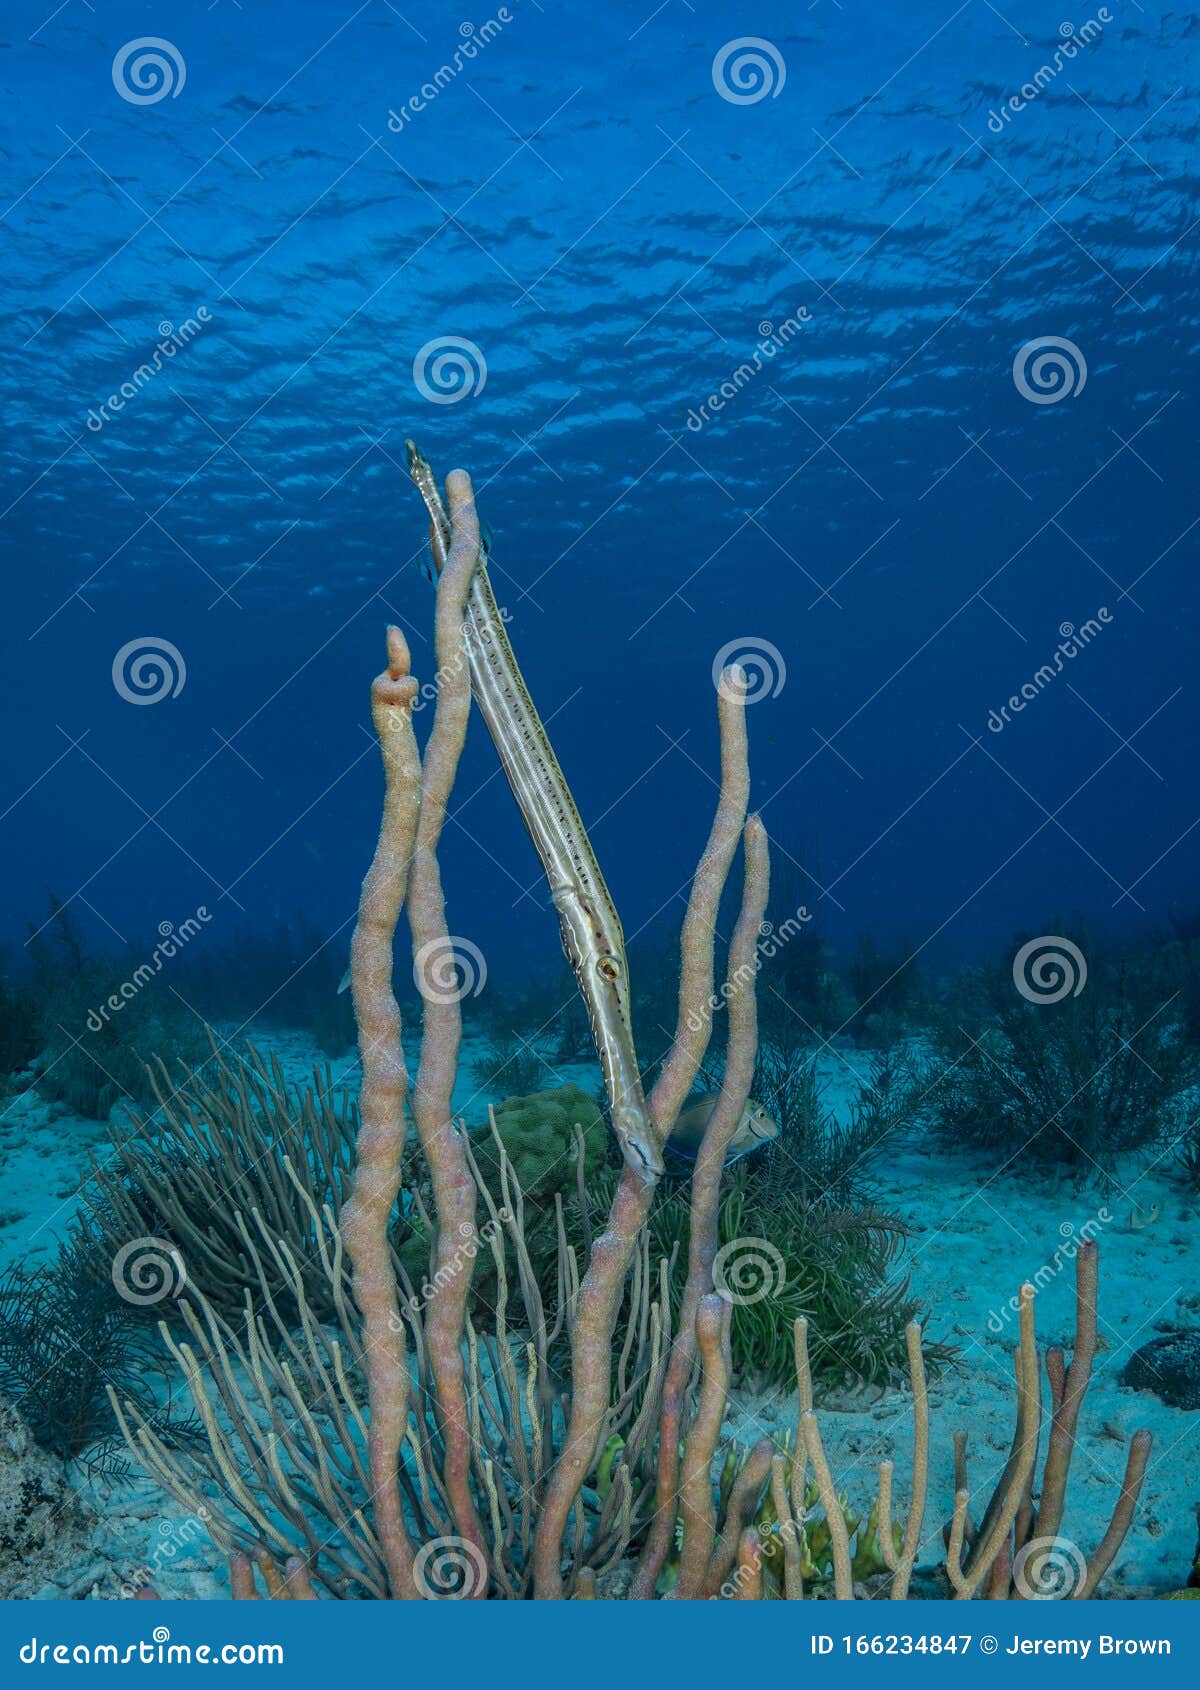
612,1252
450,1175
367,1212
706,1187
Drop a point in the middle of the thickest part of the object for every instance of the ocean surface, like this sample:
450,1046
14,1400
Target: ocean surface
545,268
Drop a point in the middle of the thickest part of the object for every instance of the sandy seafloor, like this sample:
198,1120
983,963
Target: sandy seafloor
979,1236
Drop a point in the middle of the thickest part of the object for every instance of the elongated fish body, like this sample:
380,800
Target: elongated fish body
755,1129
588,922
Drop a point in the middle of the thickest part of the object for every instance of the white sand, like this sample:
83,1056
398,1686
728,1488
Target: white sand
981,1236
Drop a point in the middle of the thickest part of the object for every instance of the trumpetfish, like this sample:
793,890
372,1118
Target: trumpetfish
591,931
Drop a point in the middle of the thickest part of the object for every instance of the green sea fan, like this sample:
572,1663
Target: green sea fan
834,1267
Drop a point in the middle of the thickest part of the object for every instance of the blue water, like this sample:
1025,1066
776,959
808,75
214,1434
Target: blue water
879,508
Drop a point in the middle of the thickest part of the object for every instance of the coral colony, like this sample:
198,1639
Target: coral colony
482,1366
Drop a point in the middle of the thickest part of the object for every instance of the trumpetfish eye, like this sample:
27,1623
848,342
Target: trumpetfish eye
608,968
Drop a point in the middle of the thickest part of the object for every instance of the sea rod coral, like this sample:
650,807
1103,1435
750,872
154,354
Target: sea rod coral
399,1449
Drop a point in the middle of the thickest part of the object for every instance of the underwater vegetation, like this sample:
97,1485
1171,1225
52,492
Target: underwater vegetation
1012,1550
66,1340
230,1143
785,1259
820,1156
1075,1080
291,975
510,1065
417,1443
554,1140
20,1028
238,1139
93,1026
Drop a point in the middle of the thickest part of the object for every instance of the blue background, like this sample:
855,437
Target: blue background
881,504
714,1639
